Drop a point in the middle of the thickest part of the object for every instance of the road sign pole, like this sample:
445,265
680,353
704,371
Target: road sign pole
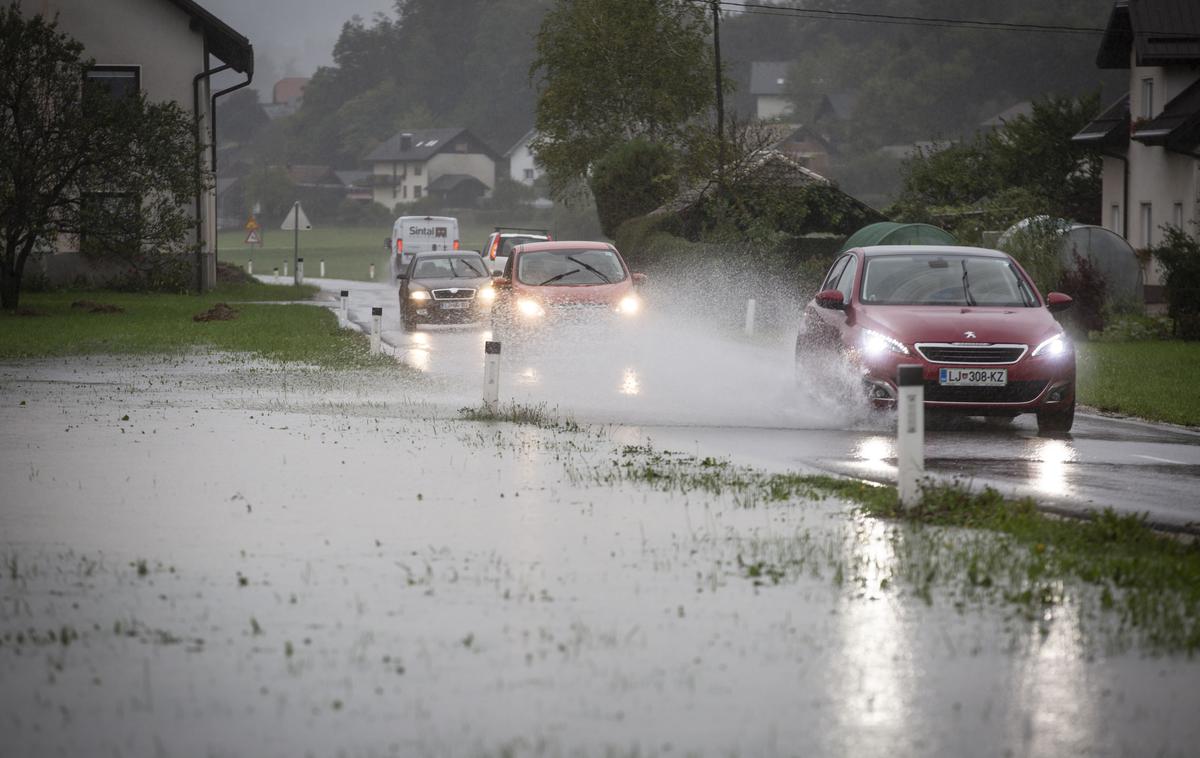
910,434
296,240
491,373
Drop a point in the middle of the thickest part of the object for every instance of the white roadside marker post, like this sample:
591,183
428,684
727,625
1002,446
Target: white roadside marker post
250,267
275,272
750,305
299,271
344,298
491,373
322,268
285,269
376,328
910,434
371,271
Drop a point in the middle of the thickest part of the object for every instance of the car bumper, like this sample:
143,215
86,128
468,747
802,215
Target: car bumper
1033,384
431,312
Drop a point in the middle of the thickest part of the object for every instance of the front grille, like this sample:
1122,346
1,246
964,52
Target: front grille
1013,392
942,352
460,294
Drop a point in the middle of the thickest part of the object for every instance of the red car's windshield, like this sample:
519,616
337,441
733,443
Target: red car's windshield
958,280
570,267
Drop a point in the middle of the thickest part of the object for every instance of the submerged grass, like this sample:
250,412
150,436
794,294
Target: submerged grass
157,323
517,413
980,544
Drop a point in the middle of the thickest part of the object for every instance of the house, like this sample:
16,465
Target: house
286,96
452,164
1149,137
522,166
768,87
803,145
1011,113
169,49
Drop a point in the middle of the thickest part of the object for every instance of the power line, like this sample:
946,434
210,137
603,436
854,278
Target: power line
761,9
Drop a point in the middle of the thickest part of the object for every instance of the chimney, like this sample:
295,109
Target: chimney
405,142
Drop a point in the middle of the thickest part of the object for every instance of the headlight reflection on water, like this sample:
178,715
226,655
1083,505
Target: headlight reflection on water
629,383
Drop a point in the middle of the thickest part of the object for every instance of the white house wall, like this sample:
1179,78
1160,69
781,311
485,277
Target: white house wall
520,161
773,106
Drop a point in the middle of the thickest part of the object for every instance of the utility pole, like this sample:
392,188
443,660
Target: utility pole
716,12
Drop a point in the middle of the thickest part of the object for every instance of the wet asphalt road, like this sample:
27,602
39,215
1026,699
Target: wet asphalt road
693,390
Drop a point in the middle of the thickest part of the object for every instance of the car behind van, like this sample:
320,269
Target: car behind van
420,234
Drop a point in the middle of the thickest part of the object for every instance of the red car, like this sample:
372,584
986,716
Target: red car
540,278
972,318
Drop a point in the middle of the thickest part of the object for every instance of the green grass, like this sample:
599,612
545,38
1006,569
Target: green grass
157,323
1152,379
347,251
516,413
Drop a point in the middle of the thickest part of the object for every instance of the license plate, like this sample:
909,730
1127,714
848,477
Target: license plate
973,377
456,306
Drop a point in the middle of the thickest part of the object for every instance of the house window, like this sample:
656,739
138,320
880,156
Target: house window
1177,216
417,192
404,192
1147,98
528,173
1114,220
1147,225
116,81
416,169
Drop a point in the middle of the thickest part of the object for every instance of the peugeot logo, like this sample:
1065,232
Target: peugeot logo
969,335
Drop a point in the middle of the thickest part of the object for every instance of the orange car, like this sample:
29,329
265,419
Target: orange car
541,279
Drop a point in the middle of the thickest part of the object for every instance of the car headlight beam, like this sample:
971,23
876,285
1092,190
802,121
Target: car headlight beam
629,305
418,295
487,294
1052,347
875,343
530,308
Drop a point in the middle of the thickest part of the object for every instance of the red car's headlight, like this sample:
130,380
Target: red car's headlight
874,343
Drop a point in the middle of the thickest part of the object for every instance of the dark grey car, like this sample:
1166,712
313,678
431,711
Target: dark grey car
443,287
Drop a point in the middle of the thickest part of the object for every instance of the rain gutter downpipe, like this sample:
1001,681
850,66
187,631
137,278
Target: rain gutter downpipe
205,74
213,145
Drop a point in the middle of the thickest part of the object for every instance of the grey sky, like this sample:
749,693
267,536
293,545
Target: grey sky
291,37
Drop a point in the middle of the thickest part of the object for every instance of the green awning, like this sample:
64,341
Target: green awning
891,233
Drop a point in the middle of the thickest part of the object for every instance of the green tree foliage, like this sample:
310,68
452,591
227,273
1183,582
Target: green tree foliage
273,190
117,173
609,71
1027,167
1179,256
632,179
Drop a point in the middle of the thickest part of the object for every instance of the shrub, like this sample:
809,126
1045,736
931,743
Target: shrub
632,179
1179,256
1134,328
1087,286
1036,247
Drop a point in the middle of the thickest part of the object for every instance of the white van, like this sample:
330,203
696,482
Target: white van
420,234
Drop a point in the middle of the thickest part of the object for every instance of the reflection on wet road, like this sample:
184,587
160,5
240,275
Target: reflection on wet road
685,386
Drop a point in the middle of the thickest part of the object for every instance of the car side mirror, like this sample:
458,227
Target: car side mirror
497,274
402,275
501,282
1057,301
831,299
639,278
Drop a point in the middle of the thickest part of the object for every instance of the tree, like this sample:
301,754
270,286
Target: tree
630,180
609,71
114,170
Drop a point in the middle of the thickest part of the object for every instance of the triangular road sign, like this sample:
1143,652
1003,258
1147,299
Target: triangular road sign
253,237
290,221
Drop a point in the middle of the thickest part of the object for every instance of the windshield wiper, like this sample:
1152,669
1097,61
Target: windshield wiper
590,268
966,284
560,276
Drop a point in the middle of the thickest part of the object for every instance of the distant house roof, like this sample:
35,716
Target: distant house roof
1159,32
221,39
517,145
1108,130
289,89
423,144
451,182
768,77
1023,108
312,175
840,105
354,178
1177,127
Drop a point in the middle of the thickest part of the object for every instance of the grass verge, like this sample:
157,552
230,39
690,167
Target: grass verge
1141,379
516,413
980,546
157,323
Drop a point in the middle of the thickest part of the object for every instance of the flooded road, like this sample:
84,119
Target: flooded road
688,386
